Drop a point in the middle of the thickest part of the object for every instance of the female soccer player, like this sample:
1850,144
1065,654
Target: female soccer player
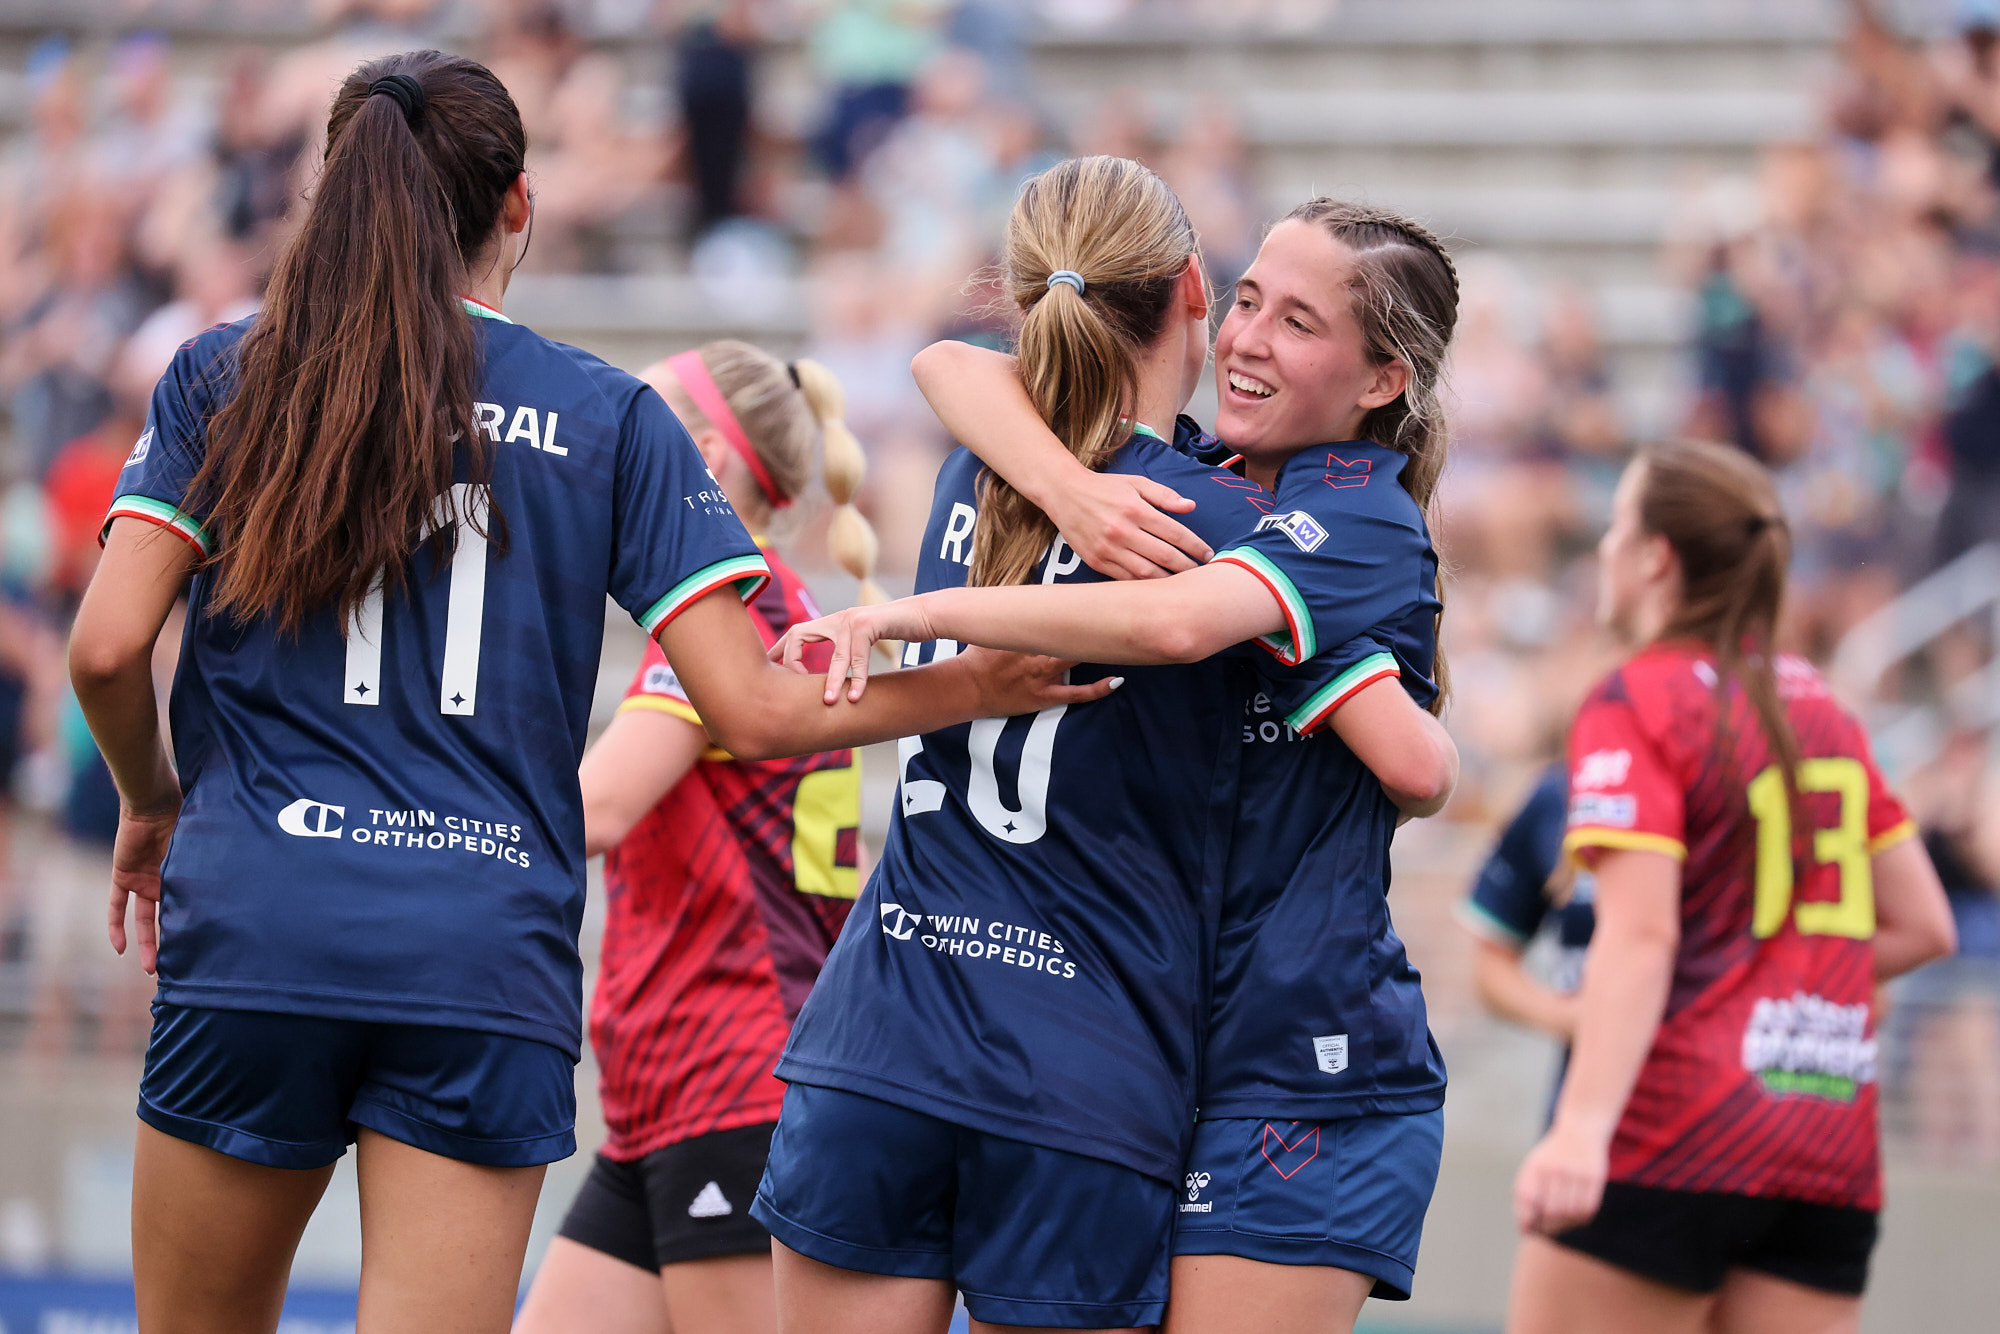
1713,1163
727,881
1317,1151
401,514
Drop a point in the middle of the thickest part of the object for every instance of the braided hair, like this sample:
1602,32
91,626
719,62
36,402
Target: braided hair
1405,291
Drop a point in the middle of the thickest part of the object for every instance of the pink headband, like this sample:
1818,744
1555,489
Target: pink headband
693,374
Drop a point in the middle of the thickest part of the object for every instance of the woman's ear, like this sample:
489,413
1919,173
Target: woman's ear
1659,561
1391,379
1194,289
714,450
519,205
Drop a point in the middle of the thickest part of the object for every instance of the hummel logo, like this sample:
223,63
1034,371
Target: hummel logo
711,1203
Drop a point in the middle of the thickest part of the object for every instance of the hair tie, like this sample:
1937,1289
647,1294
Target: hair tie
1069,278
408,93
792,369
713,404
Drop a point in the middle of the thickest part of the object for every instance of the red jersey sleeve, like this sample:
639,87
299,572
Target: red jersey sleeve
654,686
1889,821
1622,792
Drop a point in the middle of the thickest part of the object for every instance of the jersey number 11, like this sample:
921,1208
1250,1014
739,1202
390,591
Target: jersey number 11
464,617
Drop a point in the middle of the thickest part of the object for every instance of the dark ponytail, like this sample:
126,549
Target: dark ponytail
357,380
1718,509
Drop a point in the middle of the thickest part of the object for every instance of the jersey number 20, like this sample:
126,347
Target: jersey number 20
982,794
1844,846
464,616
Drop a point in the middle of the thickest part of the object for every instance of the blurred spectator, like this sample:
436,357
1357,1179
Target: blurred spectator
594,168
59,350
716,50
1209,169
870,53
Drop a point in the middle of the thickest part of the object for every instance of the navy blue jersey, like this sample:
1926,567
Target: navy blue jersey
385,824
1030,957
1317,1011
1511,902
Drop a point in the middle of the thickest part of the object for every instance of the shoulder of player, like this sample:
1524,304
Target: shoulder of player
1356,479
519,358
209,359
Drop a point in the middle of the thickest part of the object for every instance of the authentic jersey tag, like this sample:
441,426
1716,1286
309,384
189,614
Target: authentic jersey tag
1330,1053
1301,527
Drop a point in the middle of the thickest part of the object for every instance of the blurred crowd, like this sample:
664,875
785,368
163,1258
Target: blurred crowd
1844,318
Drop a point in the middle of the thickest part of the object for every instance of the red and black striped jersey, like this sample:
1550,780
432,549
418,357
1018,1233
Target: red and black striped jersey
721,906
1761,1079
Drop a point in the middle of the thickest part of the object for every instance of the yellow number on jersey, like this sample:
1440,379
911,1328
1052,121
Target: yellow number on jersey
1845,846
828,801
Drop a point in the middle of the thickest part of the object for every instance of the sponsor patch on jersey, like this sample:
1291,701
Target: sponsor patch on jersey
1602,768
1330,1053
1809,1045
140,450
1603,810
1305,532
660,680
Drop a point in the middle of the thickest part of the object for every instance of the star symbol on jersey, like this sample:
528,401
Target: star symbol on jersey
361,688
458,699
1009,826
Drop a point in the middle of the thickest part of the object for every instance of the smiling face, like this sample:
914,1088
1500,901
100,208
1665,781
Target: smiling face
1292,365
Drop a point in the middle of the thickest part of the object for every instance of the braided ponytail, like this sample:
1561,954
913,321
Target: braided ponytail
849,536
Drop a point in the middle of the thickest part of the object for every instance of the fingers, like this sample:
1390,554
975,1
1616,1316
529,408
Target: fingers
1163,549
1083,694
857,667
1173,533
146,914
115,923
1163,497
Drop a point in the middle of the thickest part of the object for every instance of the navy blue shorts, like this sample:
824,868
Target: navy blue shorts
1030,1236
288,1090
1350,1194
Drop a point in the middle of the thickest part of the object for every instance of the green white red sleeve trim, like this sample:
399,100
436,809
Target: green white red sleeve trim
1298,644
1329,697
171,517
748,573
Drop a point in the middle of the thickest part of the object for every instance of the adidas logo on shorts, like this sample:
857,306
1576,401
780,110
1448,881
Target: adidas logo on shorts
711,1203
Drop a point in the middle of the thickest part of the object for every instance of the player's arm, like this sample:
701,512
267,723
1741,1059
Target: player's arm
640,758
1626,979
1183,618
1913,923
757,710
1121,525
1506,989
1406,748
129,599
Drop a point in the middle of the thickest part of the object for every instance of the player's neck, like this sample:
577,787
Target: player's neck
1158,396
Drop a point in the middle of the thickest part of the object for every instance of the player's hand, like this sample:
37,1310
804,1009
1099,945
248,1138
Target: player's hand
135,874
1561,1184
1015,683
1123,526
851,634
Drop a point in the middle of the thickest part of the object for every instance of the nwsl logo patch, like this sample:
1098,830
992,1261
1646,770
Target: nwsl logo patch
1300,527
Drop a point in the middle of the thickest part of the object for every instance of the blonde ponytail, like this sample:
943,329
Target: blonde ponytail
850,538
1117,229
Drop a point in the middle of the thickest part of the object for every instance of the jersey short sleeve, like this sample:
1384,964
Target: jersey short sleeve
675,537
1310,693
1510,898
655,687
1623,792
154,483
1340,550
1889,821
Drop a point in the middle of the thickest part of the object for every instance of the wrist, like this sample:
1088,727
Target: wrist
1586,1125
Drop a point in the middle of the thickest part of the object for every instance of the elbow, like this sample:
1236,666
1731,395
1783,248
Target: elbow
96,664
1170,639
1943,939
748,734
1424,783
